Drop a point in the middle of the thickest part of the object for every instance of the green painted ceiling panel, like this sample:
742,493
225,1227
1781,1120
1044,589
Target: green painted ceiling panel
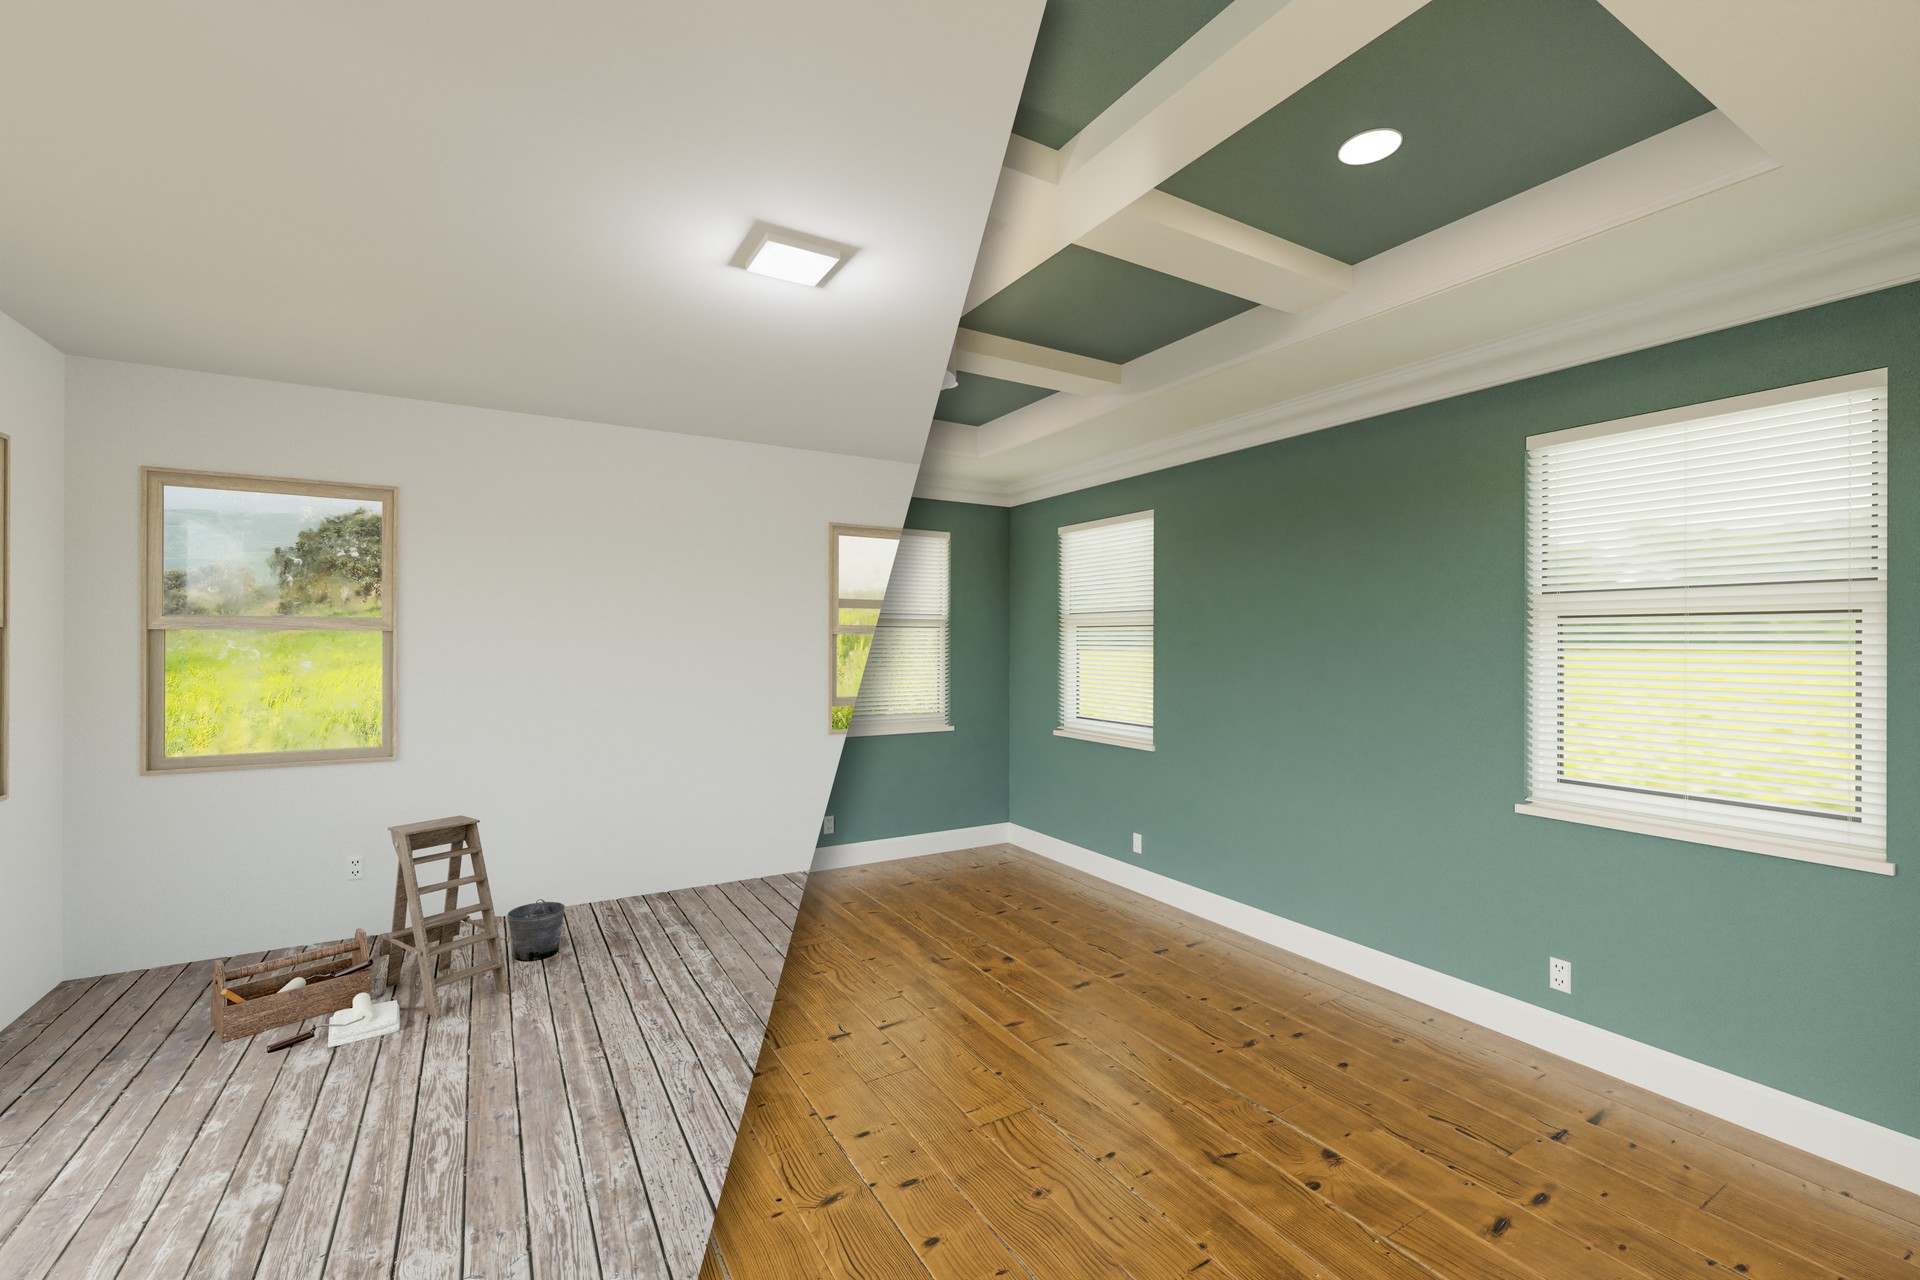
1089,52
1494,97
977,399
1094,305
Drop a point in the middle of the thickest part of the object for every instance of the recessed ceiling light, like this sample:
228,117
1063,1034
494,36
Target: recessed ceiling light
789,255
1374,144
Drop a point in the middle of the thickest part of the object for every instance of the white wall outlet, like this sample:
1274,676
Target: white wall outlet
1560,974
356,870
826,828
1137,843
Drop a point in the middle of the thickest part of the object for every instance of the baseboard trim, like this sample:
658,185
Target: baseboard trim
1847,1140
859,853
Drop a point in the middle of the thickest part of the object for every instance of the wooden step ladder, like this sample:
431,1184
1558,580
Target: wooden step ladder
433,938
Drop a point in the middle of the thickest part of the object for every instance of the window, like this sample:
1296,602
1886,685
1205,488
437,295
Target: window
1708,630
6,692
1106,631
905,689
269,617
859,561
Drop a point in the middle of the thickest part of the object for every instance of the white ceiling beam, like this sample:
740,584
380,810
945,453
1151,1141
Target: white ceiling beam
1253,55
1033,366
1181,239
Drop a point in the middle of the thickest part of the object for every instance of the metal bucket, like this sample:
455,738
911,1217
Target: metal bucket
536,929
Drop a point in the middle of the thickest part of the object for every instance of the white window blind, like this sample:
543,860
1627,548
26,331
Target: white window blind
905,687
1106,630
1708,632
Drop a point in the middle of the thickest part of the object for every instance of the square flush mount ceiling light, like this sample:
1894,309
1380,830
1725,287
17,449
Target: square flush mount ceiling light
789,255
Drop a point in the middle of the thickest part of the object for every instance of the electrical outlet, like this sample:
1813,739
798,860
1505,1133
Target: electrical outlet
1137,843
355,869
1560,974
826,828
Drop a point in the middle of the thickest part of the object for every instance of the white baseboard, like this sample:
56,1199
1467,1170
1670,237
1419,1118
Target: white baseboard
862,852
1848,1140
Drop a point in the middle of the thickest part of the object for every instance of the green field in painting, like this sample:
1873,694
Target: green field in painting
237,692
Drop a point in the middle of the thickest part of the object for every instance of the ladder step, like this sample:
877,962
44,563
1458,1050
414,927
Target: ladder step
454,943
444,854
426,889
451,917
471,971
461,940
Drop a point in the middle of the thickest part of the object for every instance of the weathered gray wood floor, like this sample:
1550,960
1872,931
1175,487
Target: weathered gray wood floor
580,1128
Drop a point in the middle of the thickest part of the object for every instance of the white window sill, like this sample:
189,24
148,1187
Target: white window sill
1110,740
1825,855
883,730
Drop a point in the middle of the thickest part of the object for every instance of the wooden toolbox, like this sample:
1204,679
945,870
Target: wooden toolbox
264,1005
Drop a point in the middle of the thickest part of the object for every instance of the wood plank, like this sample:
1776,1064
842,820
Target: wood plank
51,1223
740,948
255,1190
672,1008
496,1237
737,1009
854,1235
88,1082
366,1232
1226,1090
28,1027
603,1098
303,1230
433,1214
663,1142
561,1236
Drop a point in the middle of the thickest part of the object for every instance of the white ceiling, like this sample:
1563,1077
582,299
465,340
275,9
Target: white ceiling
1813,142
516,206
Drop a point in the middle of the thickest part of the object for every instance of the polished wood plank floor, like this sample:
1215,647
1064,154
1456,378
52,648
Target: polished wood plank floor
984,1064
579,1127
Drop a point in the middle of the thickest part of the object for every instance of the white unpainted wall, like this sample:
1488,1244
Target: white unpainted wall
32,375
612,651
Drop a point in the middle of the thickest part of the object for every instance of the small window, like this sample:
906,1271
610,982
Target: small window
1106,631
859,561
905,688
269,615
1708,623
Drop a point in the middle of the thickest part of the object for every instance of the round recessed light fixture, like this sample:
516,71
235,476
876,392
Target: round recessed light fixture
1374,144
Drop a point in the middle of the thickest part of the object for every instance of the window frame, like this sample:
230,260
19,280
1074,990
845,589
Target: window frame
915,724
6,619
1563,802
1073,726
155,624
835,628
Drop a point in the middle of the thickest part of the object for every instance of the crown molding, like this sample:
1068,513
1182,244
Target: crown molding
1845,266
981,493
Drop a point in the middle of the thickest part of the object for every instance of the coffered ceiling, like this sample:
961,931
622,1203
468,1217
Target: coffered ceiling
1174,244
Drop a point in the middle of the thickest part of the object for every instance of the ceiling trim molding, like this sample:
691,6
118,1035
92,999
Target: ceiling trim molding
992,356
1690,160
1845,266
1249,58
981,493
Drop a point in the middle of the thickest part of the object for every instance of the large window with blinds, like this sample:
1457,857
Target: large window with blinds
1708,629
1106,631
904,689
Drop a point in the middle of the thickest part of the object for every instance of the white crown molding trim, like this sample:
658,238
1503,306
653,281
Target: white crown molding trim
860,853
1858,1144
1845,266
981,493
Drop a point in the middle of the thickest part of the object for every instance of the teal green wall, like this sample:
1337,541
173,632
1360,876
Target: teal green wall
1339,705
901,784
